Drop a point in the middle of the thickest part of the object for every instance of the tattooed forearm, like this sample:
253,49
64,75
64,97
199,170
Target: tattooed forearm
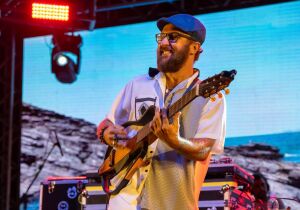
196,149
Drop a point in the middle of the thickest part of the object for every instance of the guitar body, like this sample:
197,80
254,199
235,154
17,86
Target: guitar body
130,157
116,160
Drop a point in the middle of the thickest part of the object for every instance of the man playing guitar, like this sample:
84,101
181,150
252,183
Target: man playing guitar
174,163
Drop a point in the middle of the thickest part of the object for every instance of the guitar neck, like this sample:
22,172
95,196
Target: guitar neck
182,102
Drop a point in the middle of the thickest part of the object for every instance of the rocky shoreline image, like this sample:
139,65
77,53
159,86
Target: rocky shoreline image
82,152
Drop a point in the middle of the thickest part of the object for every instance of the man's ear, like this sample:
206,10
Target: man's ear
197,50
196,47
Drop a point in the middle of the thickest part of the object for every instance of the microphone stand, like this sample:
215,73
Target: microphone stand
24,198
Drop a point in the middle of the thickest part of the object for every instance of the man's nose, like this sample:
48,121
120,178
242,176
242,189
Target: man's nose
165,41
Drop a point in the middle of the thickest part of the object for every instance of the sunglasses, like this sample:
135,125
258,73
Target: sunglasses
172,37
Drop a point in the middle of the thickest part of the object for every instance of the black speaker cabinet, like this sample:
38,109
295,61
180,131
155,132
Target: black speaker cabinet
61,193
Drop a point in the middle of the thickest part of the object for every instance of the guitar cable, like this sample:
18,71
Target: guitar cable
107,201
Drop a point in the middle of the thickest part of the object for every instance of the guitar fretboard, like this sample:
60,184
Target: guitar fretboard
173,109
182,102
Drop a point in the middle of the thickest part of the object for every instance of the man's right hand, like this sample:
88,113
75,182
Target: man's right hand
113,134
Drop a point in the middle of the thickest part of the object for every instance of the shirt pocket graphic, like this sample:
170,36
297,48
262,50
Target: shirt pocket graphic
141,106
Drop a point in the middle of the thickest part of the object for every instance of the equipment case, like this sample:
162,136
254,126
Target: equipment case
61,193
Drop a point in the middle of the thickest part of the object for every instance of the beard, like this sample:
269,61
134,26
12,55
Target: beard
175,61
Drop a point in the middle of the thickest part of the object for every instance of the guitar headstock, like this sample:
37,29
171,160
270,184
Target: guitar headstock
214,84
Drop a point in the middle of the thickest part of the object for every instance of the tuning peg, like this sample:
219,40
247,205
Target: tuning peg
220,95
227,91
213,99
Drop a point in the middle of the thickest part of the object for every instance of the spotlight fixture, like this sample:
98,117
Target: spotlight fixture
65,57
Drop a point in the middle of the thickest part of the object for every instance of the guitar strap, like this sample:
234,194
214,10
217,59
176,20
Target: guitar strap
191,85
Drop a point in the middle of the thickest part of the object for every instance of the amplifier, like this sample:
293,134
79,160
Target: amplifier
61,193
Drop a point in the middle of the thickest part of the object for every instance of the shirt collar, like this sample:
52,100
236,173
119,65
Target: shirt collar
161,78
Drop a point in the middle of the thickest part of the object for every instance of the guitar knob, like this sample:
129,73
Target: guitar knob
227,91
220,95
213,99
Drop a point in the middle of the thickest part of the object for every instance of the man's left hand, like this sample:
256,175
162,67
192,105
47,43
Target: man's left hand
165,131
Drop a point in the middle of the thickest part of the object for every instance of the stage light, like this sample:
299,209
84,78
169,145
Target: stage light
63,15
62,60
65,57
50,11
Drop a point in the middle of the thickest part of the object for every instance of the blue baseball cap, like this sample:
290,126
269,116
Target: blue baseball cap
187,24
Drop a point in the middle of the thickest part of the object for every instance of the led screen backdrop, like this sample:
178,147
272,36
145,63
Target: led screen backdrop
261,43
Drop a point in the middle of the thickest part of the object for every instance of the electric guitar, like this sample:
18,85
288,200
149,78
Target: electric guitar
129,159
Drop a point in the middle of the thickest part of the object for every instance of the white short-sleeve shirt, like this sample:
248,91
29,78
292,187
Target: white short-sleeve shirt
170,181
